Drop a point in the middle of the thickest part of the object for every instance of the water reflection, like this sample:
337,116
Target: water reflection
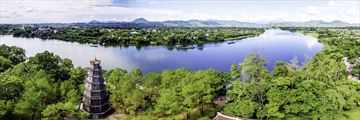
273,45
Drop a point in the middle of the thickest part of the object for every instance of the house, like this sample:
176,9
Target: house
133,33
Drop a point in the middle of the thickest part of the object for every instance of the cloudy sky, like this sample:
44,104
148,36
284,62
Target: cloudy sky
262,11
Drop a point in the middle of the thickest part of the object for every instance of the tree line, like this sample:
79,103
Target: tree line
126,37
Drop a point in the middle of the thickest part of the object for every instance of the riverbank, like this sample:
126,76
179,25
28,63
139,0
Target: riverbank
136,37
349,57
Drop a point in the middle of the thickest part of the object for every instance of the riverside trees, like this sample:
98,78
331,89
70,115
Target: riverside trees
10,56
318,90
305,94
125,37
37,89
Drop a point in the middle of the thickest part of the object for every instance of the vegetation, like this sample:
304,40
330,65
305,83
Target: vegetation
45,86
48,87
125,37
339,43
318,90
164,94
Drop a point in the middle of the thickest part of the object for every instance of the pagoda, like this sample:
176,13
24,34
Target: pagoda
95,98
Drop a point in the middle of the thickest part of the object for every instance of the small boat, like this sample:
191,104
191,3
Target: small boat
185,47
190,47
230,42
94,46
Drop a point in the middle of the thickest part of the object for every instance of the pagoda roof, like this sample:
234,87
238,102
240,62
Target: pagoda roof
95,61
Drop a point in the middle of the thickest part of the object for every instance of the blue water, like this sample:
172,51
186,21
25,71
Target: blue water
273,45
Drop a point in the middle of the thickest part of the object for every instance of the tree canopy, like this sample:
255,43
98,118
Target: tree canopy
46,86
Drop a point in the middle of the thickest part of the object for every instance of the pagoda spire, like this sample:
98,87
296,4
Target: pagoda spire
95,98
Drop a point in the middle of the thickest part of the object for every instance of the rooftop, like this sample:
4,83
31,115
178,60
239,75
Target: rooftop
95,61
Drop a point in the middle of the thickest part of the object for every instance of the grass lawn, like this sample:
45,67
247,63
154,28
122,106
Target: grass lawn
353,114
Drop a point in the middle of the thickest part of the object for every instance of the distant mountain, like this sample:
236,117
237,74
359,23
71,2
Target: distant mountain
315,23
209,23
94,22
339,23
142,22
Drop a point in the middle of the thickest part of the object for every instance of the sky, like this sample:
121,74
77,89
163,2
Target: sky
259,11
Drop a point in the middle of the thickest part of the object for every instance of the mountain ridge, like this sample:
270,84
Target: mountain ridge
142,22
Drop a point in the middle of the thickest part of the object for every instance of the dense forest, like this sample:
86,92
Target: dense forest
125,37
46,86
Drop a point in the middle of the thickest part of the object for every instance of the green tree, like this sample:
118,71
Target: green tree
69,91
52,64
126,92
356,70
208,85
253,68
5,108
15,54
168,103
234,71
282,69
254,87
325,69
151,85
61,110
4,64
279,96
11,87
78,75
118,85
39,92
189,95
244,108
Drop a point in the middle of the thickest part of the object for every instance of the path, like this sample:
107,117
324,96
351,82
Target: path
349,69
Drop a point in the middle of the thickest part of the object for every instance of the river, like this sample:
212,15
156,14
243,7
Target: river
273,45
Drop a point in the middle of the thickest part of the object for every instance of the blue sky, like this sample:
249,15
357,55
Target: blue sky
261,11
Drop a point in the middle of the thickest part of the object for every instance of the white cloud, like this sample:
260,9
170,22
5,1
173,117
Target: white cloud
81,11
353,11
35,11
331,3
45,10
348,11
312,10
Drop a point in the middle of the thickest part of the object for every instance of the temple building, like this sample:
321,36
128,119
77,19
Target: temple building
95,98
220,116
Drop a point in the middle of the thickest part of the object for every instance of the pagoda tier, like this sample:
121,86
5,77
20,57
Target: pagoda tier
95,98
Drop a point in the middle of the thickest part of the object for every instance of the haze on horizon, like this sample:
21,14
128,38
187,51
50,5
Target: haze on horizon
259,11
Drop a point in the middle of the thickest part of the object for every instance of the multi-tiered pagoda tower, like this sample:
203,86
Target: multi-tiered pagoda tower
95,99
